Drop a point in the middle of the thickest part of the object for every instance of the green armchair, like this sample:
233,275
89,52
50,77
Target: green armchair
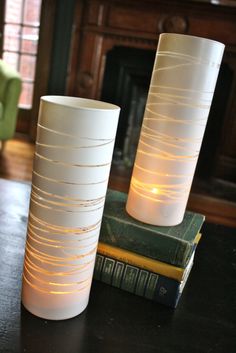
10,89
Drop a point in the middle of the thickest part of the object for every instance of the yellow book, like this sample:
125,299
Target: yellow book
143,262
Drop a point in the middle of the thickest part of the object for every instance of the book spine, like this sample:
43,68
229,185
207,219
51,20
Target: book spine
138,281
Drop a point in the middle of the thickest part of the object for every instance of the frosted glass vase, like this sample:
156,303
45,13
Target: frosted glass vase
75,140
179,99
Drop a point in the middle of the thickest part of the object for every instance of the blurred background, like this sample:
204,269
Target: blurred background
105,50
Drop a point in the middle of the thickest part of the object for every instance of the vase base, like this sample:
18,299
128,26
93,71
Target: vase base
51,306
153,213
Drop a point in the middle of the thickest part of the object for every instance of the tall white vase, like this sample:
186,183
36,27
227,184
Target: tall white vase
179,99
75,140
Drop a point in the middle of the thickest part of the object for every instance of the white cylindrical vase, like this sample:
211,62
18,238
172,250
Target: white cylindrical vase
179,99
75,140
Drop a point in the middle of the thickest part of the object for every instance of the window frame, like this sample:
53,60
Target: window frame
27,117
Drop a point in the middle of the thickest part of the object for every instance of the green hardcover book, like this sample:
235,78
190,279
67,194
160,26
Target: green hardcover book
173,245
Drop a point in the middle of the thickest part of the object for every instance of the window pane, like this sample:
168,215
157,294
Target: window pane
26,95
11,59
11,37
13,11
32,12
27,67
21,32
29,42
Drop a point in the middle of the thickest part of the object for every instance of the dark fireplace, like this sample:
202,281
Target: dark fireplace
126,82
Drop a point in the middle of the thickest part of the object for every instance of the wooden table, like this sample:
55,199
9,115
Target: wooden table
116,321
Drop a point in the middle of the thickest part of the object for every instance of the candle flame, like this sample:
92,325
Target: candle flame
155,191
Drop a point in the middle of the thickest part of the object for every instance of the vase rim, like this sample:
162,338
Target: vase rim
79,103
193,37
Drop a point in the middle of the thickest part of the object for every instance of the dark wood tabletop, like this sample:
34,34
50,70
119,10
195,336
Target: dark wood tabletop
116,321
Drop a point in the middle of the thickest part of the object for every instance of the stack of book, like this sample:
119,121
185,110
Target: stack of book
150,261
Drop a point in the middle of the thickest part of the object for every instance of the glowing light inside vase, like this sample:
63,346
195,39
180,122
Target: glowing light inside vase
155,190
